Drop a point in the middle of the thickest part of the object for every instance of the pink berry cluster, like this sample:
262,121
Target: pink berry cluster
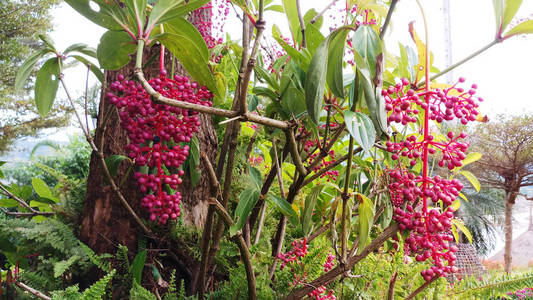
212,28
158,135
294,257
410,192
446,104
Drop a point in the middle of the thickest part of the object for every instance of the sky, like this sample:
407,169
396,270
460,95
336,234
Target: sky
503,73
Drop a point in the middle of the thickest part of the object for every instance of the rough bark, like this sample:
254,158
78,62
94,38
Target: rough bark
507,256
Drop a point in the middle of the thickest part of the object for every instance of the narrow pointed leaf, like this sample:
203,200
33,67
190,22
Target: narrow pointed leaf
461,226
165,10
511,7
137,266
316,80
334,76
113,162
286,209
137,11
96,71
522,28
366,220
289,6
367,43
247,201
310,203
472,178
46,85
27,67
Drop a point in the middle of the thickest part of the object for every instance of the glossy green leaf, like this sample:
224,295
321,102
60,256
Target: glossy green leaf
99,17
522,28
294,54
27,67
277,8
113,162
8,203
286,209
360,128
511,7
189,49
114,50
366,220
42,189
472,178
368,45
267,77
255,174
289,6
165,10
334,76
47,42
471,157
94,69
461,226
266,92
46,85
386,217
310,203
316,80
247,201
137,266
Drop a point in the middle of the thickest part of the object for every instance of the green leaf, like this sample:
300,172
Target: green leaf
247,201
277,8
61,266
368,45
27,67
137,266
165,10
456,204
289,6
316,80
96,71
114,50
294,54
472,178
47,42
137,11
266,92
334,76
461,226
310,203
511,7
256,177
360,128
190,49
8,203
46,85
522,28
113,162
470,158
286,209
194,161
100,17
244,6
366,220
42,189
267,77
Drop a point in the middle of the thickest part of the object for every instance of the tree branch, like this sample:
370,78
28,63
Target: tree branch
32,291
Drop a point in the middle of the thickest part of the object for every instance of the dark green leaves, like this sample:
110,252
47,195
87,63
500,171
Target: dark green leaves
316,80
193,161
98,17
334,76
114,50
367,43
360,128
366,220
137,266
286,209
247,201
43,190
310,203
289,6
46,86
187,44
256,177
27,67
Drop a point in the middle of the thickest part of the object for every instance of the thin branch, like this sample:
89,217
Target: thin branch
157,97
344,268
392,283
322,12
302,23
327,168
22,203
245,254
32,291
421,288
387,19
87,97
293,148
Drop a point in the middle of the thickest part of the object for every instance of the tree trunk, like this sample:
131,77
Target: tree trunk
105,222
507,257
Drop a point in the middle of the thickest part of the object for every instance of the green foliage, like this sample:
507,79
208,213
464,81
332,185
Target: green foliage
137,292
493,286
98,290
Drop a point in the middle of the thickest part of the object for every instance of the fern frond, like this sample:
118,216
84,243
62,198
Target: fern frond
494,286
137,292
61,266
98,289
98,260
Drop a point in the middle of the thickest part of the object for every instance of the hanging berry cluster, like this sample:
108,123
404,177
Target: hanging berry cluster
429,229
159,136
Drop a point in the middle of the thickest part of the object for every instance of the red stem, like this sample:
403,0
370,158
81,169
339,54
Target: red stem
162,59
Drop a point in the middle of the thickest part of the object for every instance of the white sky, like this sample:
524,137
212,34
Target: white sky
503,73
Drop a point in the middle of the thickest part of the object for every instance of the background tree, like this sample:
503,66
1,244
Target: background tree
20,24
507,163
